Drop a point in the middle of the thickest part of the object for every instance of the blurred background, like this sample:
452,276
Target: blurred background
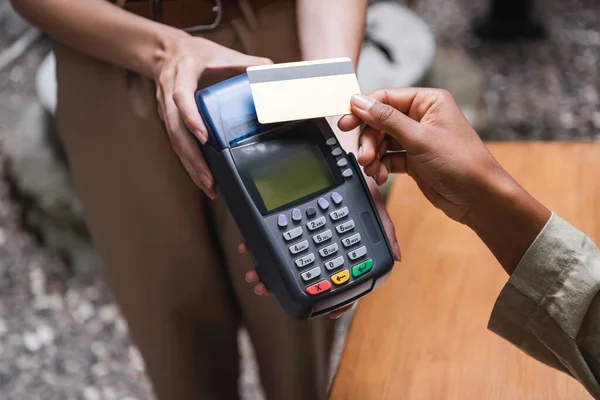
520,71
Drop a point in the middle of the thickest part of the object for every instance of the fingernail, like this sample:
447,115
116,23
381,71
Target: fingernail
362,102
202,137
206,181
210,192
397,253
259,290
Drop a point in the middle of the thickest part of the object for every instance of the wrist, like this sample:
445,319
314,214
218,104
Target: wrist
163,47
506,218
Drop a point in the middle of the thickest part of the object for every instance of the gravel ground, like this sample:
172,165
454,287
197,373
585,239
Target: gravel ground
61,336
546,90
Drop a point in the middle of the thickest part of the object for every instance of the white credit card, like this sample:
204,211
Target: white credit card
302,90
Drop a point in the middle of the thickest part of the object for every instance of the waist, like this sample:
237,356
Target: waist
203,15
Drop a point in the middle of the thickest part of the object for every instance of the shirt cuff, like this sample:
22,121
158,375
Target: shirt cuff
555,275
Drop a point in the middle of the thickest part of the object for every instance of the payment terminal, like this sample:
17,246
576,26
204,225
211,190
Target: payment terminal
299,200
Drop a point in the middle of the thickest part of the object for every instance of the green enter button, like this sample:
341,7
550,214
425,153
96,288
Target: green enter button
362,268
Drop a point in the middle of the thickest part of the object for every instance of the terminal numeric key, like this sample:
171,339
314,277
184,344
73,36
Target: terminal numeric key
304,261
345,227
351,240
316,223
335,263
292,234
329,250
339,214
322,237
298,247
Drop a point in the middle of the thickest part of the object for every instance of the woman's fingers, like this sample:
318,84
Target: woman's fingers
184,89
186,147
252,276
261,290
338,313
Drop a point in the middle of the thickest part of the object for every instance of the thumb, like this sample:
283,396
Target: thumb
233,64
246,60
386,119
234,59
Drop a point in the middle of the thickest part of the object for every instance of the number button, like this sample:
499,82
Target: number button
335,263
298,247
292,234
316,223
311,274
338,214
358,253
304,261
321,237
351,240
345,227
329,250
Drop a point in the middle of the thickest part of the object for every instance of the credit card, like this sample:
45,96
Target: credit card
302,90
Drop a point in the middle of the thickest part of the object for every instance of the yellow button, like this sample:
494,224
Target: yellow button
340,277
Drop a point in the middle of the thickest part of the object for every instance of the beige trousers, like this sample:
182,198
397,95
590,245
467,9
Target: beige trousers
170,253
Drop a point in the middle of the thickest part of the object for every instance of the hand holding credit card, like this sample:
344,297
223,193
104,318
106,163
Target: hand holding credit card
302,90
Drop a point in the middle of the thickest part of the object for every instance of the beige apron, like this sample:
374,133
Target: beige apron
170,253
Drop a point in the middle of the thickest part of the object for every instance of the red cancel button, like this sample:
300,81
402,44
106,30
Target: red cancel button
319,287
